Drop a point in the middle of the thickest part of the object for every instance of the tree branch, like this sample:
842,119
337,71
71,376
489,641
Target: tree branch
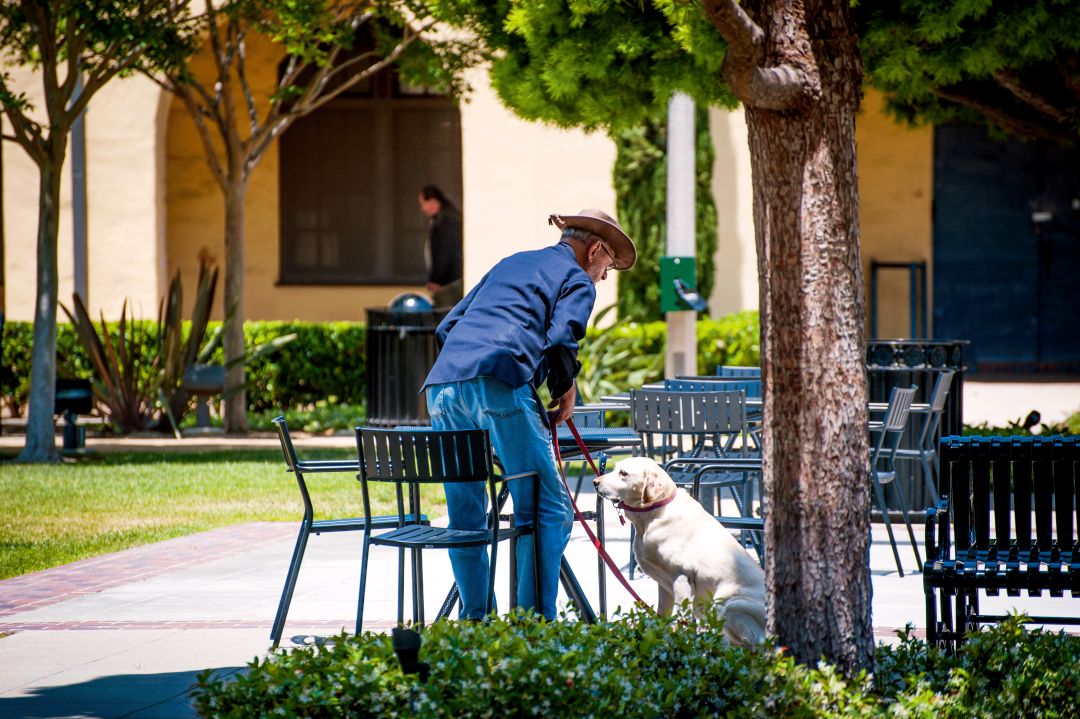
241,72
996,115
1022,92
781,87
197,113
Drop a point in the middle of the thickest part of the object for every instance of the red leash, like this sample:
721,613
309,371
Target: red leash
577,512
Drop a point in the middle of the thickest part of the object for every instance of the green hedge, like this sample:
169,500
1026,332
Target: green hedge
326,361
645,666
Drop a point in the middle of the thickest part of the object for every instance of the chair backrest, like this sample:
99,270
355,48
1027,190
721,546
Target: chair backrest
585,417
937,408
668,412
941,391
286,441
752,387
894,422
400,455
737,371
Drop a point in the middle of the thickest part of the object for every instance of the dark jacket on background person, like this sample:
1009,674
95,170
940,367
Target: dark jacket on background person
444,247
521,323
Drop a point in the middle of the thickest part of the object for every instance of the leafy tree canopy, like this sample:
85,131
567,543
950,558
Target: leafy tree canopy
596,63
1013,66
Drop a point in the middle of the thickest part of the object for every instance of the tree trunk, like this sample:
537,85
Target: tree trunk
236,404
812,340
41,422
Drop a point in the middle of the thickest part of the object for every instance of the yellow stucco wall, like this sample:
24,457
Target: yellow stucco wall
896,191
516,173
124,205
736,283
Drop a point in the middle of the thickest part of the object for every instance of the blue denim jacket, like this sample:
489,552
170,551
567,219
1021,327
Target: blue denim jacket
527,306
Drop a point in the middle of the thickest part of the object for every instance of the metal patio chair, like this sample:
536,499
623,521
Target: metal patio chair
407,458
691,434
882,468
309,525
925,449
738,371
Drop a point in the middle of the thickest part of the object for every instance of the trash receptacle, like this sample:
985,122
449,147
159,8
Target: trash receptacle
902,363
401,349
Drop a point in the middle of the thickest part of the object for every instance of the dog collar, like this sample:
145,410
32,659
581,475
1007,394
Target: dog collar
648,508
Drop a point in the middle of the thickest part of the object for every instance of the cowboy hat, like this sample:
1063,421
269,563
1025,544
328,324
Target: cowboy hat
606,228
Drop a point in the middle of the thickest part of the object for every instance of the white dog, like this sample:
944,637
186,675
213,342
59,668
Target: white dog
687,552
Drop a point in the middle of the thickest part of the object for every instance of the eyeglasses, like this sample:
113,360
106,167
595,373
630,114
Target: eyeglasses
609,253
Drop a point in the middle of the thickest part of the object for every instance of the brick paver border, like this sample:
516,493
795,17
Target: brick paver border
89,576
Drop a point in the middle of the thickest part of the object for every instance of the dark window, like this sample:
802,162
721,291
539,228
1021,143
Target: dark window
350,175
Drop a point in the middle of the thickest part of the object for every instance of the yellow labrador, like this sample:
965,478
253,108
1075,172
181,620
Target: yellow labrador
689,554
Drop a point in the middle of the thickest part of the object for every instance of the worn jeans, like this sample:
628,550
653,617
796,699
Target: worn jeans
523,444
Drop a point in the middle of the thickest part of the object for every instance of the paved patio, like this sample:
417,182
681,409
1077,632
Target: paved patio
125,634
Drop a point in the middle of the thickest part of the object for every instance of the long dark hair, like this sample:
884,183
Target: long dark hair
429,192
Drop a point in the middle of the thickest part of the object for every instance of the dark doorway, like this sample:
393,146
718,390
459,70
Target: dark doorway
1007,251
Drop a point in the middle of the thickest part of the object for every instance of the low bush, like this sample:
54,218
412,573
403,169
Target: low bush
327,359
641,665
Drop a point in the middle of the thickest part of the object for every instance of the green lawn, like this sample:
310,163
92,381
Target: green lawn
55,514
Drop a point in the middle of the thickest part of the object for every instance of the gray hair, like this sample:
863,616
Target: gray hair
581,235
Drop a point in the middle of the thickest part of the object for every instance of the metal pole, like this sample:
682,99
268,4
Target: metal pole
78,197
681,354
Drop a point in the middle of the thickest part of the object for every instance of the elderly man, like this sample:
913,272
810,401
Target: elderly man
518,327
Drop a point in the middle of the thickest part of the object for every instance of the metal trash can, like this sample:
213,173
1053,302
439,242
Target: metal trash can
902,363
401,349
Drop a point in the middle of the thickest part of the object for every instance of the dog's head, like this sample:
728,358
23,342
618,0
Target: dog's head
636,482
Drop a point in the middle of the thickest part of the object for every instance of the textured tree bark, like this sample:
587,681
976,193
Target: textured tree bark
817,517
41,423
235,404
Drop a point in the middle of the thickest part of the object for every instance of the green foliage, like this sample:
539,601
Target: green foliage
641,665
630,354
181,350
324,360
1010,66
127,366
1006,671
595,63
640,178
321,375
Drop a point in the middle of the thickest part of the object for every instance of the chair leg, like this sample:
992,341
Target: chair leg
363,587
931,480
907,521
888,524
633,559
401,585
290,584
489,599
418,569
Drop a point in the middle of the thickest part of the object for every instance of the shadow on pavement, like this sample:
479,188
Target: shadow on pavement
138,696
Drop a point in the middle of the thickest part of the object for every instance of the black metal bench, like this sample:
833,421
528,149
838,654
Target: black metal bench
991,489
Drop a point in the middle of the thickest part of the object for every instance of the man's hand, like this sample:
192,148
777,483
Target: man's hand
565,405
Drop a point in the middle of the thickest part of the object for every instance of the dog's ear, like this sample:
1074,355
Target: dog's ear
651,486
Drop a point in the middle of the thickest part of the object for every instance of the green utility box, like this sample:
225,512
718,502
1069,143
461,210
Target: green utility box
671,269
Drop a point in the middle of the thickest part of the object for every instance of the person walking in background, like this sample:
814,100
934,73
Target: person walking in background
443,249
519,327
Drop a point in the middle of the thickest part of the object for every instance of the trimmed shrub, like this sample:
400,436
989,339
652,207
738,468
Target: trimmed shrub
326,362
641,665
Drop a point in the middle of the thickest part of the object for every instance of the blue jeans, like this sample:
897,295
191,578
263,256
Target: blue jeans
523,444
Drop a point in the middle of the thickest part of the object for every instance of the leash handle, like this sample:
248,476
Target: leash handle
577,512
